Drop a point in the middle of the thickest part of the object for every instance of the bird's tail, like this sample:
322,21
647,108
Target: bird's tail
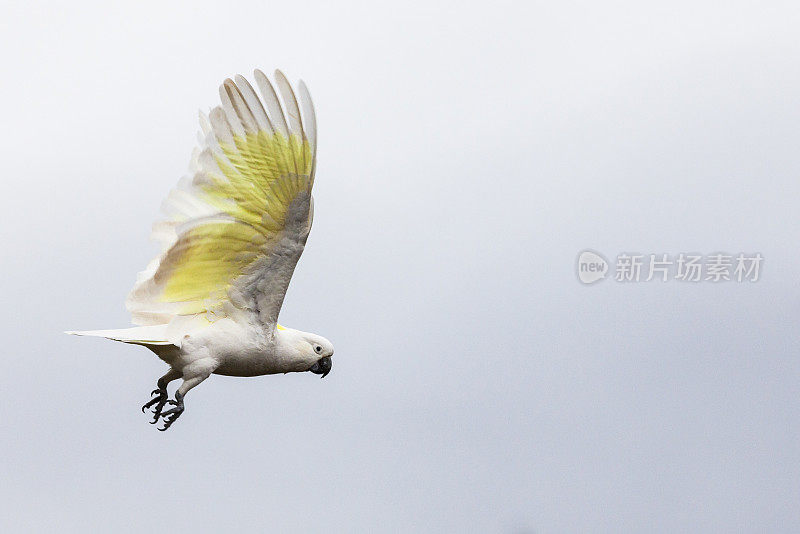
139,335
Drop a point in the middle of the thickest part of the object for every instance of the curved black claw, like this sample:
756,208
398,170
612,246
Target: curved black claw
170,416
159,401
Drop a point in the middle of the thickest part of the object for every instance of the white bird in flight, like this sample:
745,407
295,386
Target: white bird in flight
235,229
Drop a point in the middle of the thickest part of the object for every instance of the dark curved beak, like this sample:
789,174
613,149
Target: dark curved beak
322,367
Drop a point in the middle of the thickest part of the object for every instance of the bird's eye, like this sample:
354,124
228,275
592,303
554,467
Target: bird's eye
318,349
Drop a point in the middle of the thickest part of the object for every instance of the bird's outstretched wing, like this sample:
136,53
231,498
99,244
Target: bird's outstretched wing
237,225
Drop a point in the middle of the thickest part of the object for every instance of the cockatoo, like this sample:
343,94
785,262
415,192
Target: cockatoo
235,229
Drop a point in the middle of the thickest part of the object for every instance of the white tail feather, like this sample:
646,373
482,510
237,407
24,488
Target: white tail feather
140,335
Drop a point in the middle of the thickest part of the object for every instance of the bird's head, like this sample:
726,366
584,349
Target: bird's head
320,350
303,351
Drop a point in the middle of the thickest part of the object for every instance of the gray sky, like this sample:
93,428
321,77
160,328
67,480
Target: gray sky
467,154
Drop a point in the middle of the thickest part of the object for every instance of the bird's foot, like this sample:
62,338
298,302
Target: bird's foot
159,401
171,415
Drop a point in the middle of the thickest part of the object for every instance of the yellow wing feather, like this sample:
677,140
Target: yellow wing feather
253,177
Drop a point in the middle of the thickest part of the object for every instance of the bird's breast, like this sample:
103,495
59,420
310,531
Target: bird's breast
255,362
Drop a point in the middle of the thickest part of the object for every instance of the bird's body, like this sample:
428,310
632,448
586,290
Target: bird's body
209,303
236,349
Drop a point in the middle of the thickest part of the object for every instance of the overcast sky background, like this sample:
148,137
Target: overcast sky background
467,154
